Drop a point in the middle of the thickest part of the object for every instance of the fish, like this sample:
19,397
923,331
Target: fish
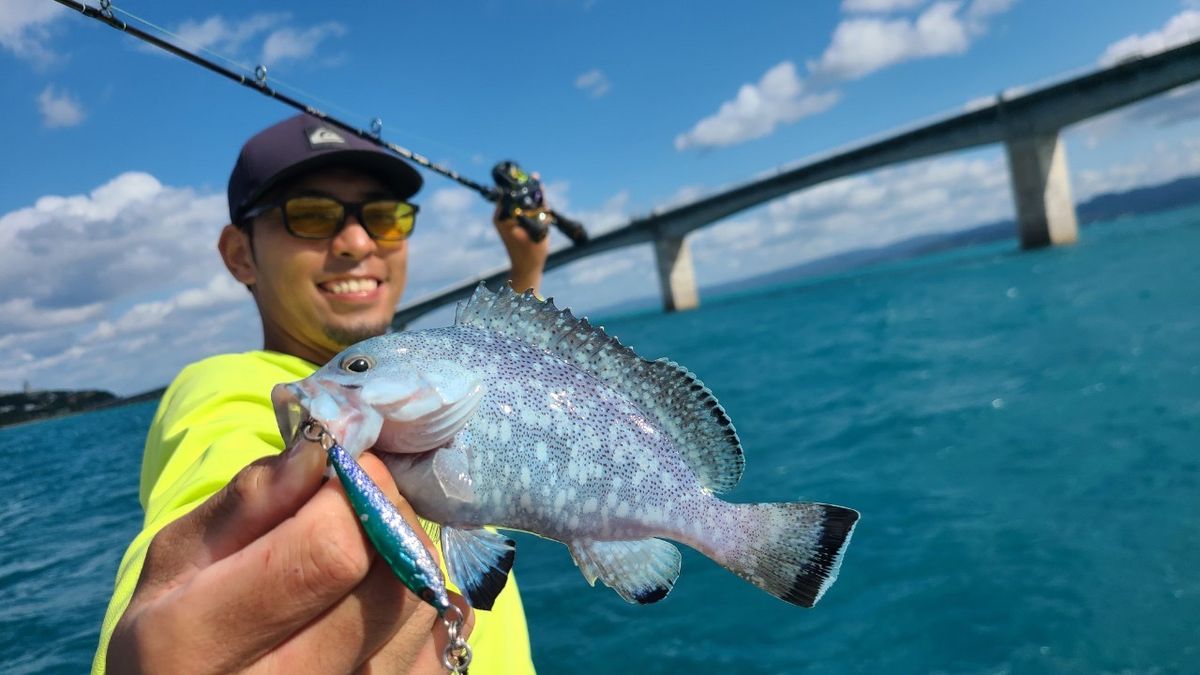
521,417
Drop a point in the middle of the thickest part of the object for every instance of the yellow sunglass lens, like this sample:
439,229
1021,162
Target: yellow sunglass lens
388,219
314,216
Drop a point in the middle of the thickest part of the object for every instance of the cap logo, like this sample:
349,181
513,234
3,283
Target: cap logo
324,136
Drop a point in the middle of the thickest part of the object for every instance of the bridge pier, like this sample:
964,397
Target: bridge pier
1041,186
675,275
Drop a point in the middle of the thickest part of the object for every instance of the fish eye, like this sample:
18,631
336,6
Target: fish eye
357,364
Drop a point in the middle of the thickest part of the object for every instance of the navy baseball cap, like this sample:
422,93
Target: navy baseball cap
304,143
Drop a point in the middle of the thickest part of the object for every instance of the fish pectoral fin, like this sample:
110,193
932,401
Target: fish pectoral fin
640,571
428,408
452,469
478,561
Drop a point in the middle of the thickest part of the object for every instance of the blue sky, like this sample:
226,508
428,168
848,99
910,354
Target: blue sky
118,154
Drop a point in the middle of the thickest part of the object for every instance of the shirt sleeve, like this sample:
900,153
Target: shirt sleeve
213,420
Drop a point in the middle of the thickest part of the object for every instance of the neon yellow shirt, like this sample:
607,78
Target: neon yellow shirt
214,419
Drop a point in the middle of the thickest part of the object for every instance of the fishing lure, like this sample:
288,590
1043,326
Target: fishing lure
396,542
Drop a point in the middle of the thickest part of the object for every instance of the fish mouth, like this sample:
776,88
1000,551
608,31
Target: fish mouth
343,419
290,411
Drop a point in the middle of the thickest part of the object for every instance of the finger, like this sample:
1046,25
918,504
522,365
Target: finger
258,597
379,612
258,498
395,658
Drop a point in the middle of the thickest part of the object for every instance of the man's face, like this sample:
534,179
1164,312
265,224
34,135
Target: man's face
317,297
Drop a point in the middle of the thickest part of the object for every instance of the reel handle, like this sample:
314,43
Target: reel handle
572,228
536,230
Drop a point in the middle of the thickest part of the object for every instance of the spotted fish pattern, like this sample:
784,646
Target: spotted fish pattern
522,417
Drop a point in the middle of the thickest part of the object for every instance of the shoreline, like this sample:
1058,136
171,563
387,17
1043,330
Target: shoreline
64,403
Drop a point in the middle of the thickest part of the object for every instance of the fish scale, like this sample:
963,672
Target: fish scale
565,405
522,417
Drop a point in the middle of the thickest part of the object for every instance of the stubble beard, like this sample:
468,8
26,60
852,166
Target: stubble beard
348,335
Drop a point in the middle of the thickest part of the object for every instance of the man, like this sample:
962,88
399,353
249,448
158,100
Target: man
247,559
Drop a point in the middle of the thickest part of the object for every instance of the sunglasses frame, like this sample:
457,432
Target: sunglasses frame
348,209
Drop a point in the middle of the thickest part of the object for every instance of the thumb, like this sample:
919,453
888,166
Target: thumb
256,499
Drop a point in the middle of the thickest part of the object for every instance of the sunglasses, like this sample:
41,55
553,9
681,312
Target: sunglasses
312,217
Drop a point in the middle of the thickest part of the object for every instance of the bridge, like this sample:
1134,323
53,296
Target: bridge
1028,125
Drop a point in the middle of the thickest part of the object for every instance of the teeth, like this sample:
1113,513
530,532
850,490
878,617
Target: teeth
352,286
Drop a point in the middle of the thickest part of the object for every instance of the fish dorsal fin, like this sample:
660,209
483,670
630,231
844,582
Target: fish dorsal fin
668,392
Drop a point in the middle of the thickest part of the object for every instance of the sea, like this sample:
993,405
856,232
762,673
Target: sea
1020,431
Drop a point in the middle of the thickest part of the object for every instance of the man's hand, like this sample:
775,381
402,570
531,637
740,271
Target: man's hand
274,574
528,257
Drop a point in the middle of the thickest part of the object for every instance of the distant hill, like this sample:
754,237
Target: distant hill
23,407
1175,194
35,405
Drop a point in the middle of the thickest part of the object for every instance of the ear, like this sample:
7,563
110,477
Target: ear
238,254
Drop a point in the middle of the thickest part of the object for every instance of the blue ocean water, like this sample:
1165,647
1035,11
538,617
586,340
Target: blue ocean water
1021,432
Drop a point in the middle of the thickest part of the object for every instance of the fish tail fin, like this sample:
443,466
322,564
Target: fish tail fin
790,550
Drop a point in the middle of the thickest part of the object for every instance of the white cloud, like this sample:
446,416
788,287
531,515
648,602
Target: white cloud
25,28
594,83
59,109
233,39
20,314
613,213
879,6
291,43
586,275
1163,162
861,46
454,239
778,98
1179,29
683,195
862,211
979,10
129,268
227,37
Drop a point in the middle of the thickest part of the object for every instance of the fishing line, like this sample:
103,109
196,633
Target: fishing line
325,104
257,81
518,193
216,56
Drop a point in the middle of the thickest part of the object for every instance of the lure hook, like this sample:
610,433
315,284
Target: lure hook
315,433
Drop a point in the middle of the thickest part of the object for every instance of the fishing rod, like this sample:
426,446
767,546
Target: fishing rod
518,193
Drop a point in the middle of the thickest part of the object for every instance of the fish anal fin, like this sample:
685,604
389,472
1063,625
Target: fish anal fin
478,561
641,571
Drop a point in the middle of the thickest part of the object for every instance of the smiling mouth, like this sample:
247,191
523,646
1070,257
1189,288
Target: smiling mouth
345,286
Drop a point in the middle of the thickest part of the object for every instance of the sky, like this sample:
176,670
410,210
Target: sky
113,191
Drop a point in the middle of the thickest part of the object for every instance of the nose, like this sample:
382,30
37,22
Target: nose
352,241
